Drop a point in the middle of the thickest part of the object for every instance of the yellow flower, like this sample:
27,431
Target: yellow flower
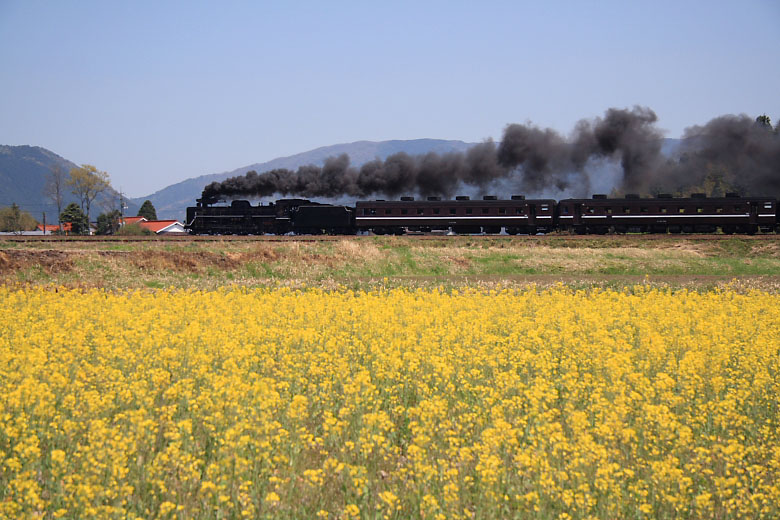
166,507
57,456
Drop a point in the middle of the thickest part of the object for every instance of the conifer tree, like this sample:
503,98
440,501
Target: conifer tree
147,211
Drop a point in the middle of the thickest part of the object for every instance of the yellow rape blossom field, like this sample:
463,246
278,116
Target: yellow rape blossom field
389,403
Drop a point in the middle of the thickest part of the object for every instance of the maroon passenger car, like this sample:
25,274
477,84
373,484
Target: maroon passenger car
662,214
461,215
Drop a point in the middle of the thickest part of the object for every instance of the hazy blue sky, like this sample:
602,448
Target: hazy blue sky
156,92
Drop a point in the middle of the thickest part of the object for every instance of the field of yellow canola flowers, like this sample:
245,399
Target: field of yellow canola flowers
283,403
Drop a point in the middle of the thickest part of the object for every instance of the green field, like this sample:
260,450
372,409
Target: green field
409,261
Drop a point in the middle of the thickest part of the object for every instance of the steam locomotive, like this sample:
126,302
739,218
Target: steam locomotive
515,215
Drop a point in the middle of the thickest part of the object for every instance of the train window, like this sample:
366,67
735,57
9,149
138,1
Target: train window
643,209
680,210
485,210
388,212
767,205
545,207
404,211
436,211
609,211
419,211
699,210
738,209
373,211
663,209
502,211
626,210
520,211
591,210
469,211
565,209
718,210
452,211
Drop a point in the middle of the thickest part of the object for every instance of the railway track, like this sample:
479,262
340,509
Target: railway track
421,237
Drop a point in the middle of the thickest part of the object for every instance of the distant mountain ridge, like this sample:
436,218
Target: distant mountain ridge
24,171
171,202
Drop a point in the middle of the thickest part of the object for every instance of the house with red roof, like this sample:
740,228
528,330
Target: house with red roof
159,227
48,229
132,220
67,227
163,227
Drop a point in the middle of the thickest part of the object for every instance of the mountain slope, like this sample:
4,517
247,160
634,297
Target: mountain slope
23,174
170,202
23,171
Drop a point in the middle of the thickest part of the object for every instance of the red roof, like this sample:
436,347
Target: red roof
50,228
133,220
157,225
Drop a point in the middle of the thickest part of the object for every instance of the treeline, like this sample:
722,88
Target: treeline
87,183
13,219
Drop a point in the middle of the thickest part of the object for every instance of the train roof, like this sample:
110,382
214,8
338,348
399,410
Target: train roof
730,197
457,200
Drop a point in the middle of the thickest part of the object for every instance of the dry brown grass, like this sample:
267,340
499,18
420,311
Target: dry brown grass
190,262
590,260
768,249
354,250
404,260
50,261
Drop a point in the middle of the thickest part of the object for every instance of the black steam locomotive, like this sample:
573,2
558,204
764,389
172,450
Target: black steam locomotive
240,217
516,215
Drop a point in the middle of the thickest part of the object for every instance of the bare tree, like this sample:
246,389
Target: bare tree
54,188
87,182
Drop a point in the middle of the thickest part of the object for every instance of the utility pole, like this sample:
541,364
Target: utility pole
44,223
122,207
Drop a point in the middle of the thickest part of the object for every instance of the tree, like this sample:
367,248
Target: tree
14,220
55,187
108,223
78,220
87,183
133,230
765,121
714,183
147,211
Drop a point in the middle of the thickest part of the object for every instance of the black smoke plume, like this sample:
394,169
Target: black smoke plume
743,153
740,152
